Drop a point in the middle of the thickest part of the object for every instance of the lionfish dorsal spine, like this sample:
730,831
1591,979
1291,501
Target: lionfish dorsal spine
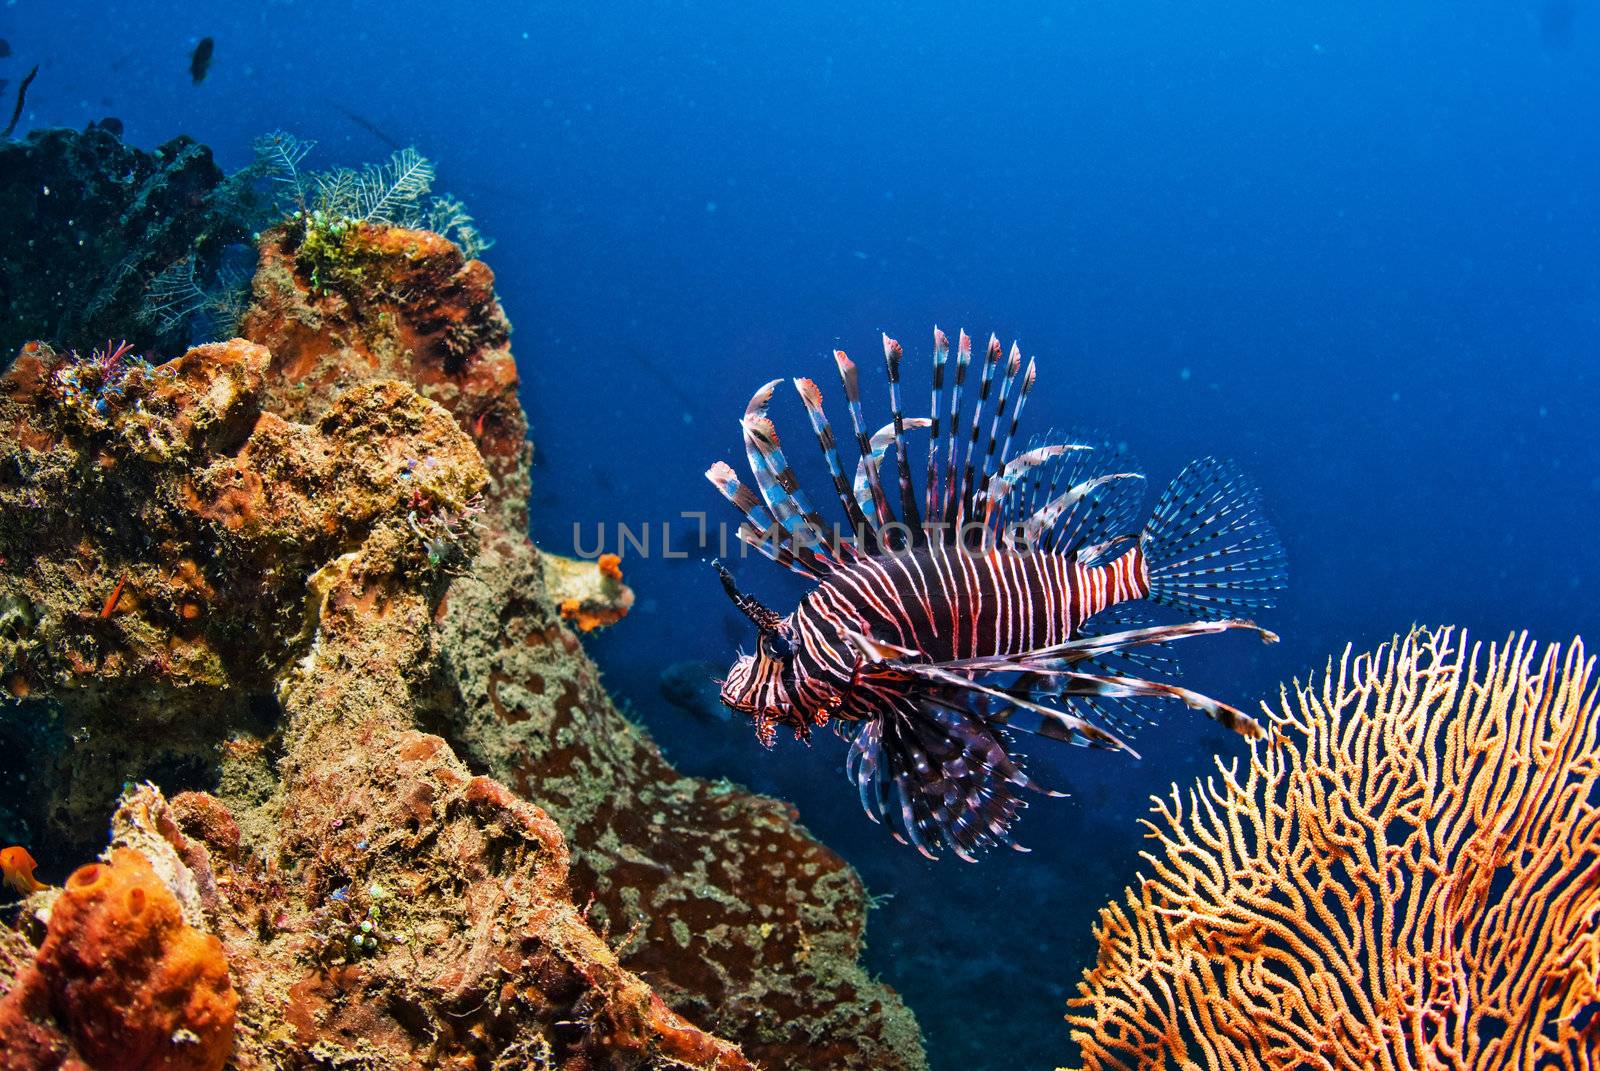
811,398
991,362
1013,370
909,515
744,500
851,382
963,362
941,356
1016,414
759,435
997,493
1045,518
879,445
980,489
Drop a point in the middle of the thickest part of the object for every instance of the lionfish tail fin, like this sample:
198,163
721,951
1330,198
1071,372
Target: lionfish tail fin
1209,547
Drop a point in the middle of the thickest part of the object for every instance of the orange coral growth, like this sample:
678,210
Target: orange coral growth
1405,877
589,594
589,617
122,982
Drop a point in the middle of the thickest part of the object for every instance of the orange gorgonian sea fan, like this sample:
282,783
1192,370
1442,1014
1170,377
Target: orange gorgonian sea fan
1406,876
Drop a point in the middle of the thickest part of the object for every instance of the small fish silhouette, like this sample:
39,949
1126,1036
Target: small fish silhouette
200,62
692,687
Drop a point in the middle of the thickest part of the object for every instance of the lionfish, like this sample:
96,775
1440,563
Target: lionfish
1006,600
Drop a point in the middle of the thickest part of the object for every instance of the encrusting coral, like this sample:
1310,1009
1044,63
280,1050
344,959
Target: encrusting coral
157,526
427,921
1404,877
740,919
400,304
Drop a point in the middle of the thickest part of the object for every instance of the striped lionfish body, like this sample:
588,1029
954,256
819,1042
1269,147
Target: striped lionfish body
1005,598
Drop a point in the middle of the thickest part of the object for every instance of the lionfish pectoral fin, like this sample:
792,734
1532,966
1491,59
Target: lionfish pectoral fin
1096,686
1091,648
936,770
1057,664
1119,641
1088,647
1073,727
1209,547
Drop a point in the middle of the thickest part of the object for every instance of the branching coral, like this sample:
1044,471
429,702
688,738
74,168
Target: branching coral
1406,876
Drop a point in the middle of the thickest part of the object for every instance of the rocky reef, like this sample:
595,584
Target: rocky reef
103,219
158,530
286,580
339,305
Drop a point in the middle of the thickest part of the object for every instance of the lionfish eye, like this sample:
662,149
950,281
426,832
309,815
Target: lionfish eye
775,646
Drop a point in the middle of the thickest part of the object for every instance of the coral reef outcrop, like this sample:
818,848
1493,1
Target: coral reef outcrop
720,898
101,219
339,304
739,918
1403,877
157,529
428,920
376,901
291,574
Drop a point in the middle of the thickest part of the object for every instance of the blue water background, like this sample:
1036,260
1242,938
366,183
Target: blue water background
1353,249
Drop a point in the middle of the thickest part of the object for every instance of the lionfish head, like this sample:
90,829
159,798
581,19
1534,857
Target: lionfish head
757,685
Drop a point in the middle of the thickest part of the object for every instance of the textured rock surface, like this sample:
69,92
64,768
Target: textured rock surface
718,897
156,532
722,900
379,904
426,920
376,302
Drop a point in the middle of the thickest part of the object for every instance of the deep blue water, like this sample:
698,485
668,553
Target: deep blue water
1354,250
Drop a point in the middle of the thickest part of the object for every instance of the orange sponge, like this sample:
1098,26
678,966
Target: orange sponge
122,982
